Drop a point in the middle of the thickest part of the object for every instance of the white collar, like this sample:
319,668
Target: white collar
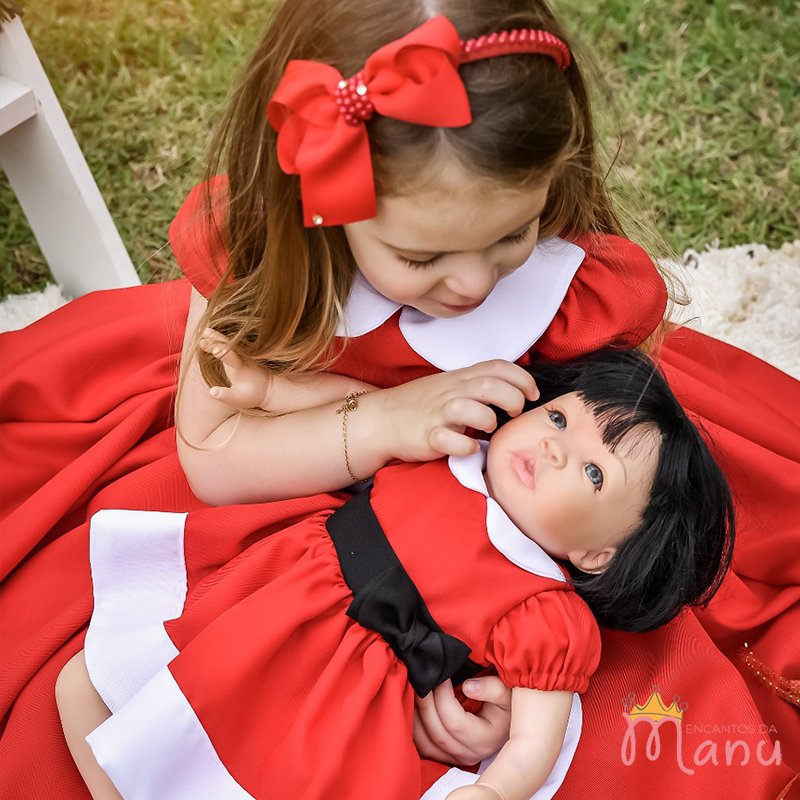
503,533
505,325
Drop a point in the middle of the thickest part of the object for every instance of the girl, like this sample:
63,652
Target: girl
280,289
363,202
607,475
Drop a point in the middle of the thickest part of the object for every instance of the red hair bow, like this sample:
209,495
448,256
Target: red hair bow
320,116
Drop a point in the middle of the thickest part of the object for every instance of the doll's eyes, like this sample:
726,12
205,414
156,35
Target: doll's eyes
595,475
558,419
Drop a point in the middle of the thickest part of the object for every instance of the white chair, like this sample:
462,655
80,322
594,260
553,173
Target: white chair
50,177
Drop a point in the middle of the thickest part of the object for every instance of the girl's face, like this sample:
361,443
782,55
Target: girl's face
551,473
442,251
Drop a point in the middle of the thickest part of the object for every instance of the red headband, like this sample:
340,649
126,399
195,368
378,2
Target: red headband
320,117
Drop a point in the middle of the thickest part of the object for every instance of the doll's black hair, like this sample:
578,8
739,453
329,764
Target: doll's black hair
680,552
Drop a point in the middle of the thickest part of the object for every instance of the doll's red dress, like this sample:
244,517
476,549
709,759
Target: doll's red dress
271,681
87,399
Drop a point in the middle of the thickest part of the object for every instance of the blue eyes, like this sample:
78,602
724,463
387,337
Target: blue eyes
558,419
593,472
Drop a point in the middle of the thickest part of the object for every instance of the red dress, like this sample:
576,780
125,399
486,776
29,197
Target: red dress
264,687
87,401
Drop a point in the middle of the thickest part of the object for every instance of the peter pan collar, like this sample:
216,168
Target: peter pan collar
503,533
505,325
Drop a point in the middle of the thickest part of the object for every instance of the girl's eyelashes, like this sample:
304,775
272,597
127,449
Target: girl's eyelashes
419,264
595,475
515,238
557,418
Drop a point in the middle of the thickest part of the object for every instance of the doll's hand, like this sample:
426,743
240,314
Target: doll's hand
444,731
250,383
254,387
427,418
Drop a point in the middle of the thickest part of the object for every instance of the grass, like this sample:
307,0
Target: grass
708,120
700,102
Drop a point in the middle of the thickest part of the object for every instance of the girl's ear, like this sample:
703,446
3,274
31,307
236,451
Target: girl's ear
591,561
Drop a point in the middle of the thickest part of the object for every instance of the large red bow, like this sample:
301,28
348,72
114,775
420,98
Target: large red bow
322,136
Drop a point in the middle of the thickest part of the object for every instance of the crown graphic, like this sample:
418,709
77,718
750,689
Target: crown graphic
655,709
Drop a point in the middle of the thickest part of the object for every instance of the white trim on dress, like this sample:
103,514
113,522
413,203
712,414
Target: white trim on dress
139,577
154,748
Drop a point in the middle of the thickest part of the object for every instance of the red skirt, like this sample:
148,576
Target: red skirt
261,661
86,406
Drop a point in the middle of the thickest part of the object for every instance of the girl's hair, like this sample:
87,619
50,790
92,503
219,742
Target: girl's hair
679,553
285,285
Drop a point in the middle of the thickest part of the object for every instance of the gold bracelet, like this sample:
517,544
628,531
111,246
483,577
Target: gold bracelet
350,404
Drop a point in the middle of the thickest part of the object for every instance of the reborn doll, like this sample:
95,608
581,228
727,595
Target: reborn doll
289,670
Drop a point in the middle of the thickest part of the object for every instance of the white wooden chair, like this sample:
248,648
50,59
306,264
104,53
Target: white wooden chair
50,177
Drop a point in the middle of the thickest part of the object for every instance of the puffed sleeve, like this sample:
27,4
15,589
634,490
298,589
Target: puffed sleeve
616,297
195,238
549,642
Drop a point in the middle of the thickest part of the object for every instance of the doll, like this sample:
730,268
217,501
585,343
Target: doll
290,671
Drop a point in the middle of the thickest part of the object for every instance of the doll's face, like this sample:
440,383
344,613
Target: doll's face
443,250
551,473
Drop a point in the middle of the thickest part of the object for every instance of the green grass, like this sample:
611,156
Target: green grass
706,113
700,101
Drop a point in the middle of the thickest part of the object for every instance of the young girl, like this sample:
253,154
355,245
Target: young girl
468,163
607,476
368,198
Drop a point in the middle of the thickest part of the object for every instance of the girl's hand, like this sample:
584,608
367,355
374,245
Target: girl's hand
444,731
427,418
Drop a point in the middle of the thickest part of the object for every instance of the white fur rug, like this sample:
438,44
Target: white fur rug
747,295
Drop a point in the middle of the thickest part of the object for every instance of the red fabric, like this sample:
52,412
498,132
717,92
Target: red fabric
327,688
86,397
414,79
197,239
616,297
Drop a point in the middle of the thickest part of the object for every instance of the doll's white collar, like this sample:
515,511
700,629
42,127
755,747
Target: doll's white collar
505,325
503,533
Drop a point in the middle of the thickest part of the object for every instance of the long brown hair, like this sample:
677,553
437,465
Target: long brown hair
285,285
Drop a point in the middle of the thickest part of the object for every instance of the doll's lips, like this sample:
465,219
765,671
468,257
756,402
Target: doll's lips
525,468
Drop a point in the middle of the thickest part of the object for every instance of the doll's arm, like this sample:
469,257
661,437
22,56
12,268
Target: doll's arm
253,386
538,724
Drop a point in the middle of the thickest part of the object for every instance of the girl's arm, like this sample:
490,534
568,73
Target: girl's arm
538,724
232,458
